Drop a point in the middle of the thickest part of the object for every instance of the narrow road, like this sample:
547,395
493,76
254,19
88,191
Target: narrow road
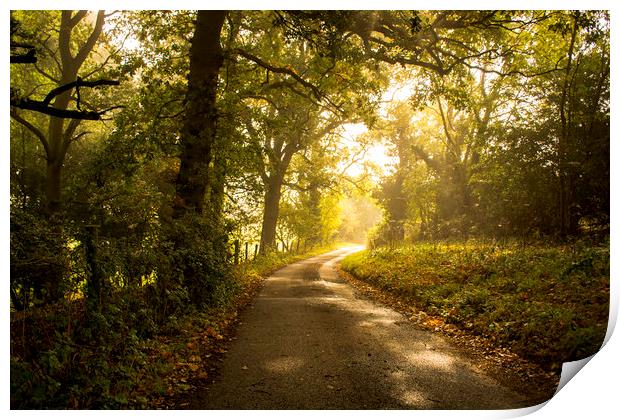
309,342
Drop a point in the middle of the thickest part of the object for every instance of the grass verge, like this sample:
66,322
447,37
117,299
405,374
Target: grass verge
548,304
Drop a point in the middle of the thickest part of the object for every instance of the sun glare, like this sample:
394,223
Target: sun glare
375,155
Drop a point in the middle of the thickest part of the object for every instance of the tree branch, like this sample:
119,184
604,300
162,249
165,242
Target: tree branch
64,39
77,137
75,19
78,83
421,153
27,58
55,112
68,135
45,74
281,70
32,128
92,39
53,54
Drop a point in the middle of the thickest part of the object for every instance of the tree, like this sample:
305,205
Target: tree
288,130
284,112
578,30
59,136
65,62
503,136
200,126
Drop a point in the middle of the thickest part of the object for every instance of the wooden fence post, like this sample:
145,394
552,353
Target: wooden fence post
246,251
236,252
255,250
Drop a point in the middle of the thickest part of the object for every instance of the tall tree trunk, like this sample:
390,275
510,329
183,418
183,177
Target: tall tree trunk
398,206
57,150
58,134
564,180
273,191
199,129
271,211
53,183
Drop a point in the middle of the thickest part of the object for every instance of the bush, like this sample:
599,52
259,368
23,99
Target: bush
196,258
40,260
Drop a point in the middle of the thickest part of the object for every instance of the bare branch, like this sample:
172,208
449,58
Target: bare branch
39,106
78,83
111,109
45,74
27,58
77,137
32,128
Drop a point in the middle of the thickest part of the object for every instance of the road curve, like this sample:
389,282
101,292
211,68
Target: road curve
310,342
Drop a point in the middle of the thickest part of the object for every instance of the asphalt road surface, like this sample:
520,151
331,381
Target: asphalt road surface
310,342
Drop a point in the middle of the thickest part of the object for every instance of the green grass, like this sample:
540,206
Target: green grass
547,303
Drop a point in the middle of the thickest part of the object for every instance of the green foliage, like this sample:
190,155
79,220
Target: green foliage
514,151
549,304
197,258
39,252
65,360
